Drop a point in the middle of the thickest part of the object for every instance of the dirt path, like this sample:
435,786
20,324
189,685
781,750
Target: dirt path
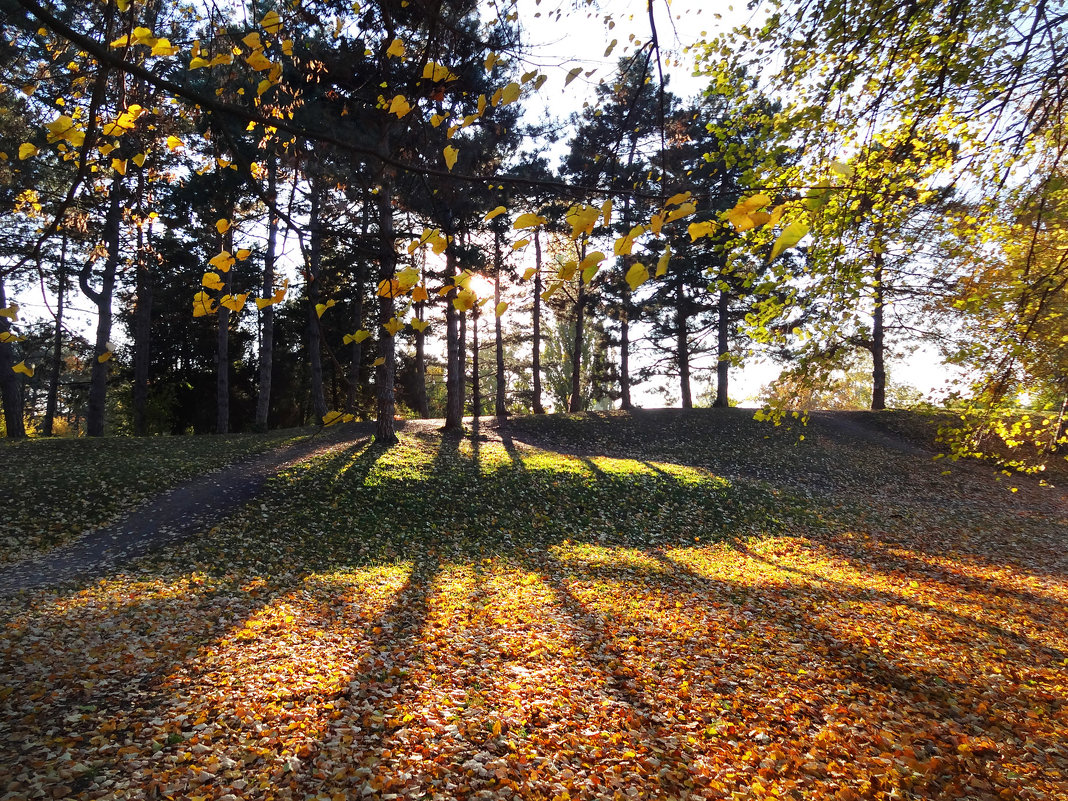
168,518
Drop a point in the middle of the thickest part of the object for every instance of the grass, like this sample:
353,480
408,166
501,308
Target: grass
55,489
659,605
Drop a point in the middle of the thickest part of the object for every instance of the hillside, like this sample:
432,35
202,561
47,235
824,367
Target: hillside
659,604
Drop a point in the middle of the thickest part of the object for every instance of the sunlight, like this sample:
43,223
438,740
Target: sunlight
481,286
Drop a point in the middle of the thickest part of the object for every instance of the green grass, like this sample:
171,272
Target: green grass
54,489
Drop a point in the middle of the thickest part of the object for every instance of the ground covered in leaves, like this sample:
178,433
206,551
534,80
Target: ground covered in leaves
54,489
658,605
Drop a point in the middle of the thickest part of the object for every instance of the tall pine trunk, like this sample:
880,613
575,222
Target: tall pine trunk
476,384
314,332
575,401
723,348
422,403
385,376
52,403
10,381
878,347
98,378
454,404
266,366
222,342
142,323
624,354
356,348
499,406
536,348
682,345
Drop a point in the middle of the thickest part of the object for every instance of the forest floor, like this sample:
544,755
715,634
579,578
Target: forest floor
658,605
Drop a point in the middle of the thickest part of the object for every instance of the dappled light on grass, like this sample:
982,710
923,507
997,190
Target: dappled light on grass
451,618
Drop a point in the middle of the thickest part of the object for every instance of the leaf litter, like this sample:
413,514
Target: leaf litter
488,617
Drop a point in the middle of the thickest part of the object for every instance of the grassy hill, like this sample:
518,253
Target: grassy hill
658,604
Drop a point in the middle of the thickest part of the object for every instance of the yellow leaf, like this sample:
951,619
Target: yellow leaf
841,168
582,219
740,220
203,304
437,119
656,222
222,59
528,220
510,93
258,61
357,337
451,154
572,75
222,226
791,235
553,288
389,288
222,261
501,308
393,326
243,254
122,41
625,244
143,36
420,325
271,22
776,215
173,142
662,262
529,273
420,295
278,296
682,211
163,47
234,303
395,49
497,212
753,203
252,41
522,243
379,361
7,336
23,368
332,418
287,47
675,200
212,281
606,212
197,62
408,278
698,230
139,159
637,275
322,307
26,150
11,312
123,5
437,73
464,300
567,270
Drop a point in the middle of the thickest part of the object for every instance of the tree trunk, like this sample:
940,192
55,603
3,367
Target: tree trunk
142,327
575,401
98,378
536,351
421,402
222,343
682,345
52,404
624,355
878,352
315,357
385,430
476,384
266,368
356,348
723,349
461,371
499,404
10,381
454,404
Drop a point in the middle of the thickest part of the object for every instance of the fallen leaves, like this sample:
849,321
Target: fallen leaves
482,617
